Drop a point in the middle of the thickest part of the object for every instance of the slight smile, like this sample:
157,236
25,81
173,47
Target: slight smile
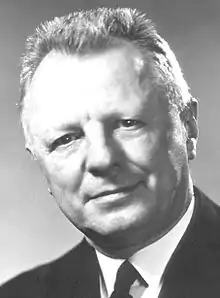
115,195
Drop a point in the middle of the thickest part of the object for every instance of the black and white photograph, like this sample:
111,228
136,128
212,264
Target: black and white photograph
110,149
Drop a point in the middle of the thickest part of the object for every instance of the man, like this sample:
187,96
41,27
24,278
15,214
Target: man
109,117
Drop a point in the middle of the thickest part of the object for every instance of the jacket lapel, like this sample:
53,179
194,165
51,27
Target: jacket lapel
87,282
76,275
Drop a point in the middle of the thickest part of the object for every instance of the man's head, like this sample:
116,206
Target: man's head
108,115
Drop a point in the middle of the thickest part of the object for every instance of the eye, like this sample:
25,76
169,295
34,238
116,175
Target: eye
66,139
129,124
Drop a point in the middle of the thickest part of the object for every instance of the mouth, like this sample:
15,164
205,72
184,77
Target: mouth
121,191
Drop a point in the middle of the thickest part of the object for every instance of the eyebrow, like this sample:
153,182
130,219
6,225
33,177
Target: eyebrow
68,126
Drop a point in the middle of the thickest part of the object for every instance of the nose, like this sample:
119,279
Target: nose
102,156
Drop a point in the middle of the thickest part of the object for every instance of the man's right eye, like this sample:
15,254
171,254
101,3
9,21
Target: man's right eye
65,140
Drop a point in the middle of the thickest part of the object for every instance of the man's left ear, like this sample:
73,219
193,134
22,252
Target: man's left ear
191,125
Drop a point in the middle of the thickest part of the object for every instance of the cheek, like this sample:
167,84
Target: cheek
64,174
167,175
178,155
64,179
142,151
153,156
142,155
170,166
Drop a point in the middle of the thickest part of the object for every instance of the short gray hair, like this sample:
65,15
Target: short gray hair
97,29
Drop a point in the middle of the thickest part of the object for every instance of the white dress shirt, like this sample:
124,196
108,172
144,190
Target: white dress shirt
150,261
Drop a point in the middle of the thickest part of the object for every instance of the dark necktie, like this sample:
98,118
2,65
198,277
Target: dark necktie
126,276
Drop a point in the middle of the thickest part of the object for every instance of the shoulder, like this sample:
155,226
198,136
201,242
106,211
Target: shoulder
199,249
194,268
206,214
53,277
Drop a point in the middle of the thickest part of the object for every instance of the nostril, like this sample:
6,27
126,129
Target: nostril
98,172
110,172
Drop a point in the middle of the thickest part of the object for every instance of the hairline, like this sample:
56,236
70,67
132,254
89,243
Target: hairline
139,61
140,66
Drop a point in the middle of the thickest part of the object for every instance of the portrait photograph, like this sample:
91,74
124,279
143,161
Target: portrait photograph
110,149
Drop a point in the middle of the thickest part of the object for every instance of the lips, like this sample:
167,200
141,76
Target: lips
125,189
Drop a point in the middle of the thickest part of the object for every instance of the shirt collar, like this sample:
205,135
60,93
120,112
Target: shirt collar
151,260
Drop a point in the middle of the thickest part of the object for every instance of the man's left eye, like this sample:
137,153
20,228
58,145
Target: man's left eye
129,123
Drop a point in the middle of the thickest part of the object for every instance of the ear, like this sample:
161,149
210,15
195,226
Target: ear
191,125
30,151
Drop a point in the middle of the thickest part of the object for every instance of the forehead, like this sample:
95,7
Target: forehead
68,84
124,62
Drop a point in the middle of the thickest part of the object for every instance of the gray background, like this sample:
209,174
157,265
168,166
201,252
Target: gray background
32,230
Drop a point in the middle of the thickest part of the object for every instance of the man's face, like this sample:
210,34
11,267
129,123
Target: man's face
113,154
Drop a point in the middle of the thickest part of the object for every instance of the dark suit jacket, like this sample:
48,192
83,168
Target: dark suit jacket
193,271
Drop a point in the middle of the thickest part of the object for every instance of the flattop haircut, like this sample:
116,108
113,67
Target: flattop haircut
86,31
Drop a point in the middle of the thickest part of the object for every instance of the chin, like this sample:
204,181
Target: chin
116,242
117,229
